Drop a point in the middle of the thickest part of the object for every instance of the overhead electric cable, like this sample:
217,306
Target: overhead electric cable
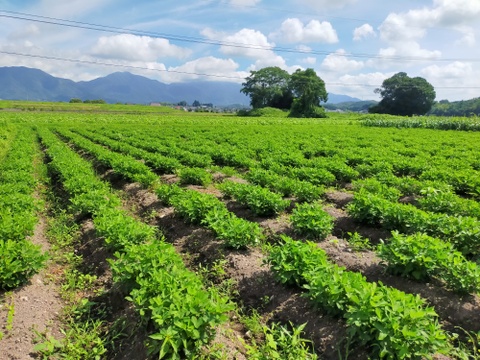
189,39
102,63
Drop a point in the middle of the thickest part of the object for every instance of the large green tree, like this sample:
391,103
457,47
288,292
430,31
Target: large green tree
308,91
268,87
402,95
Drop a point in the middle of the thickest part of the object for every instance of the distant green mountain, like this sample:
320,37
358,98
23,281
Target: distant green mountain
354,106
456,108
22,83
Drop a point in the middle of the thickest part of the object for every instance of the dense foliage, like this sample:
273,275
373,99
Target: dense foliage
402,95
456,108
301,92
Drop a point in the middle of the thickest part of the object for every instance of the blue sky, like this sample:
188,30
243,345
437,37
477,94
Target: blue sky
352,44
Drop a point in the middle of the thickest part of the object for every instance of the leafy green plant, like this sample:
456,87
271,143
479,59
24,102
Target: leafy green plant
183,313
358,242
386,319
19,260
311,220
194,206
236,233
420,256
282,342
195,176
461,231
80,341
119,229
261,201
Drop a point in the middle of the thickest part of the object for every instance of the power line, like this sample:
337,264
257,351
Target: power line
190,39
101,63
95,62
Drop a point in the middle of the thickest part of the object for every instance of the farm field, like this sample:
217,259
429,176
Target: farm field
220,237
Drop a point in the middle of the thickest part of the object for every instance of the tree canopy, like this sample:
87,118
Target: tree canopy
402,95
300,92
308,90
268,87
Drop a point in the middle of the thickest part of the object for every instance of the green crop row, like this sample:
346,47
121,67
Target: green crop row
153,144
312,221
181,313
432,196
125,165
207,210
394,325
19,258
335,159
428,122
421,257
7,134
261,201
302,190
463,232
158,162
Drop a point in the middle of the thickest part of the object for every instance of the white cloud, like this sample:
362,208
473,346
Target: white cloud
409,49
458,12
133,47
455,70
310,60
455,81
327,4
468,38
412,25
361,85
303,48
247,43
294,31
338,62
363,31
219,69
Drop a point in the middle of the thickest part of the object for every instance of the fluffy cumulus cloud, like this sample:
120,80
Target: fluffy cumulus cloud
133,47
360,85
218,69
294,31
338,62
412,25
456,80
452,13
309,60
245,43
364,31
455,70
407,49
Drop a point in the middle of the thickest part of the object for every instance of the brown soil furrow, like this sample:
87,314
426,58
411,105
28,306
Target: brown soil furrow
37,305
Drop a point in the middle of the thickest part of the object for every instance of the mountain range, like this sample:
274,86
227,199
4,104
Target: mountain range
22,83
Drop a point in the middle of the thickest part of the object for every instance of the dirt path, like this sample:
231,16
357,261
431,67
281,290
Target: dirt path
36,306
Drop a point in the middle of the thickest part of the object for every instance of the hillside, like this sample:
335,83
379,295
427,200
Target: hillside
21,83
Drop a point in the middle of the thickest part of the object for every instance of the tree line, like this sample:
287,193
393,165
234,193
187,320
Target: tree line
302,92
456,108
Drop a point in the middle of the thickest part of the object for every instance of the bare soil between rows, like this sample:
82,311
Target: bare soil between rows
37,307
